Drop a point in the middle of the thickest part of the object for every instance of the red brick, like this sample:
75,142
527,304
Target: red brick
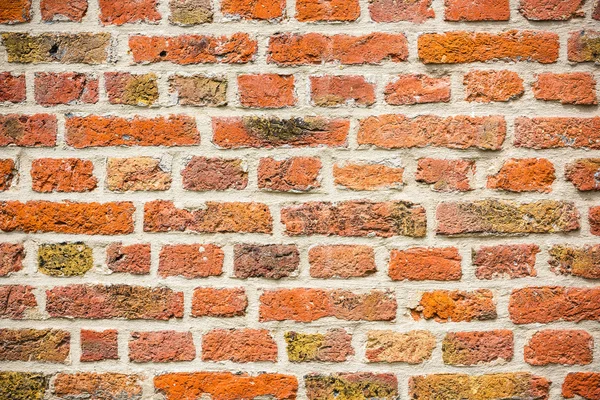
131,89
190,261
7,173
11,258
466,47
52,88
137,174
505,261
355,218
12,87
364,176
412,347
97,386
417,89
203,173
583,45
485,86
554,303
239,345
274,261
63,10
258,10
47,345
38,130
359,385
224,303
583,172
163,216
327,10
456,306
569,88
405,10
331,91
315,48
161,347
446,175
94,131
524,175
132,259
584,384
554,10
306,305
193,49
17,301
341,261
477,10
594,220
335,345
114,301
422,263
99,345
581,261
266,90
557,132
128,11
475,348
263,132
596,11
15,11
396,131
62,175
566,347
295,174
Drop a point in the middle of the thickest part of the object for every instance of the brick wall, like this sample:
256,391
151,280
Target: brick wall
312,199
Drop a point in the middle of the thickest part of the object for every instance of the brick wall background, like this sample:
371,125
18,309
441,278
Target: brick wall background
313,199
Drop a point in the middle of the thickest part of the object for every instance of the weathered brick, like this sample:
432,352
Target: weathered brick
7,173
557,10
422,263
239,345
334,10
569,88
412,347
113,301
136,174
584,46
367,176
456,306
99,345
360,385
224,303
23,385
335,345
596,11
417,89
341,261
524,175
557,132
594,220
161,347
17,302
65,259
493,217
37,130
505,261
63,10
295,174
62,175
466,47
99,386
446,175
554,303
133,259
477,10
190,261
405,10
273,261
131,89
198,90
581,261
566,347
14,12
73,88
584,384
12,87
332,91
266,90
355,218
259,10
583,173
11,258
128,11
485,86
190,12
477,347
45,345
203,173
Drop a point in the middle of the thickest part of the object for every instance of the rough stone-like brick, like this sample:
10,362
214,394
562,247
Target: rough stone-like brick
422,263
239,345
100,386
335,345
505,261
524,175
412,347
557,132
73,88
131,89
341,261
45,345
417,89
594,220
136,174
583,46
403,10
446,175
360,385
477,347
596,11
161,346
272,261
566,347
11,258
37,130
333,10
133,259
12,87
223,303
190,261
569,88
190,12
198,90
557,10
355,218
367,176
63,10
332,91
99,345
203,173
266,90
23,385
581,261
272,10
584,384
62,175
128,11
295,174
584,173
485,86
65,259
477,10
456,306
7,173
15,11
17,302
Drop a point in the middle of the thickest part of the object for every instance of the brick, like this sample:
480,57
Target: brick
272,10
582,173
360,385
523,175
203,173
239,345
190,261
334,10
131,89
136,174
422,263
456,306
190,12
467,47
99,345
554,303
65,88
596,11
335,345
566,347
62,175
163,216
226,385
417,89
273,261
15,12
133,259
295,174
446,175
584,384
505,261
23,385
477,347
46,345
396,131
11,258
161,347
551,10
477,10
365,176
594,220
198,90
223,303
193,49
412,347
485,86
494,217
288,49
67,217
395,11
12,87
128,11
37,130
65,259
99,386
17,302
7,174
63,10
355,218
583,46
113,301
583,261
99,131
66,48
332,91
557,132
569,88
306,305
517,385
341,261
266,90
263,132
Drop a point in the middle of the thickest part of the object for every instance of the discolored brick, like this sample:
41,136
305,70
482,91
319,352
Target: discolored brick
295,174
273,261
583,46
131,89
37,130
161,347
99,345
43,345
7,174
65,259
99,386
505,261
190,261
23,385
551,10
137,174
190,12
582,261
17,302
584,174
456,306
361,385
335,345
446,175
478,347
11,258
15,12
485,86
412,347
203,173
333,91
133,259
198,90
